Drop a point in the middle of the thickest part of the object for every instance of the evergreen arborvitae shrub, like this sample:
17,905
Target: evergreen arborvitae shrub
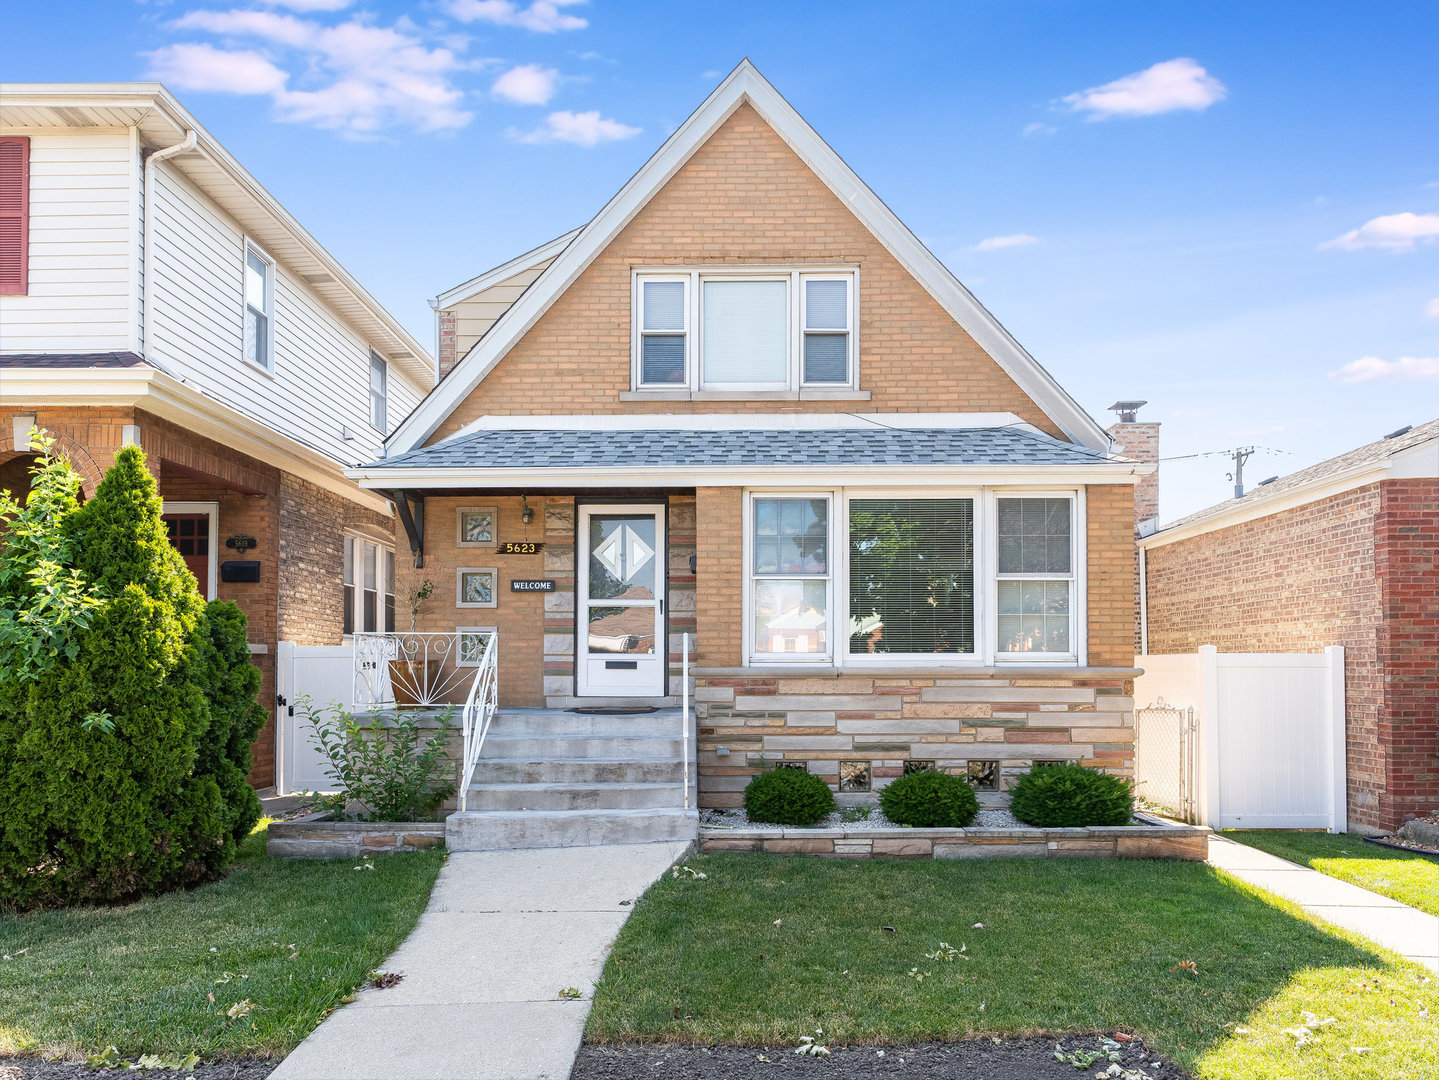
788,797
122,769
929,799
1070,797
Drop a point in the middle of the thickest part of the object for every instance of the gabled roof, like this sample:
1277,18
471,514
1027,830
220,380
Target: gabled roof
746,85
504,271
1416,447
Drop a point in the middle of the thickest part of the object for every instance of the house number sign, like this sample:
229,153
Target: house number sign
520,547
532,585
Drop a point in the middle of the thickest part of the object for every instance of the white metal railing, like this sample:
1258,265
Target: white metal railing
685,711
479,712
413,670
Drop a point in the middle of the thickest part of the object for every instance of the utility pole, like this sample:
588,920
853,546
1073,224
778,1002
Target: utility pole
1241,455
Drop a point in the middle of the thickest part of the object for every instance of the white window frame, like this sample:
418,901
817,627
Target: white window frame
212,511
694,279
381,399
986,578
461,571
460,632
1078,599
383,552
250,247
493,541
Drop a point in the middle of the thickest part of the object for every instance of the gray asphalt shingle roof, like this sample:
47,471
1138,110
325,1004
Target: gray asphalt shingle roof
554,449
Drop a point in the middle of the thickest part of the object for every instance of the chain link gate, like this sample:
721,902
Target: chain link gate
1166,758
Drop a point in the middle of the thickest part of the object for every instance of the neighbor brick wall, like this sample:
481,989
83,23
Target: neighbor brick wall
1292,582
1407,564
719,551
88,436
1109,512
745,198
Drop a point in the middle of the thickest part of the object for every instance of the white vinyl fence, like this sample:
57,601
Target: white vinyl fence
1268,749
327,674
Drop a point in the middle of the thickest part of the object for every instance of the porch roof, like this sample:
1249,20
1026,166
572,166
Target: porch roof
542,449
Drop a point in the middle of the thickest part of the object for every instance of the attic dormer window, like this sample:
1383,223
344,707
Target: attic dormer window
770,331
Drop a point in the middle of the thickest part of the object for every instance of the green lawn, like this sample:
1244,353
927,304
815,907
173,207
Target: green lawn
1407,877
1067,947
140,977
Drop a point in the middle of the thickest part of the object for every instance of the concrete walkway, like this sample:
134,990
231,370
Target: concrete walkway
504,933
1398,927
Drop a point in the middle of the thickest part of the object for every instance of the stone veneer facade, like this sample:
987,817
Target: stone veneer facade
950,718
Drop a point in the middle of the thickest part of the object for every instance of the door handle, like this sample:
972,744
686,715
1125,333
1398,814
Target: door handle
662,605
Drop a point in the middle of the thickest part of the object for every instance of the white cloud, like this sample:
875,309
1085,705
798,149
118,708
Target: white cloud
999,243
352,76
1392,232
541,16
1037,128
308,5
581,129
1405,369
527,84
1432,308
1173,84
192,66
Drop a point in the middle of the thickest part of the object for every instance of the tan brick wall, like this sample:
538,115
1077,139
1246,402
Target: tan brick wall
88,436
720,561
745,198
1008,721
1293,582
1109,510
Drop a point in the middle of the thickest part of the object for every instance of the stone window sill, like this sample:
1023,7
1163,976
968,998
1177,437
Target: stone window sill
744,395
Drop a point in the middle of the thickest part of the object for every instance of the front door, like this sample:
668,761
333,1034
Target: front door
620,613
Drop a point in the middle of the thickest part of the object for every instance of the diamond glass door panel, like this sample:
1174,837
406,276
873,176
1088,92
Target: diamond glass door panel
620,621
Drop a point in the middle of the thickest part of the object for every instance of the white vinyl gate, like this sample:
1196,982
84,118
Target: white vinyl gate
1270,742
326,673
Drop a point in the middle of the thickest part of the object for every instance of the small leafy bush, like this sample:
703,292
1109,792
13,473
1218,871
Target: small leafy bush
387,770
788,797
1071,797
929,799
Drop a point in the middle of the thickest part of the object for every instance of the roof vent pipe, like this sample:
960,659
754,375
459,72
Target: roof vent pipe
1127,410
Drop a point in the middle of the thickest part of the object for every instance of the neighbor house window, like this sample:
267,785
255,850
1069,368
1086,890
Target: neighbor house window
368,587
784,330
1036,575
259,305
379,392
911,576
790,570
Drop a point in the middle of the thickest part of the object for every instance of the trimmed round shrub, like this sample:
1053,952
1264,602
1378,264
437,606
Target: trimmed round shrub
929,799
788,797
1071,797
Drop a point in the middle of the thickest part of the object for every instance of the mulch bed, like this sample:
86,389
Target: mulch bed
31,1068
973,1059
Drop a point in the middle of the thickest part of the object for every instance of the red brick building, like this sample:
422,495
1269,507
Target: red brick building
1343,553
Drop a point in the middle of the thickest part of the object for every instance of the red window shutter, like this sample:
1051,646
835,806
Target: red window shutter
14,215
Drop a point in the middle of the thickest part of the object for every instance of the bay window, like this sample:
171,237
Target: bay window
732,331
966,578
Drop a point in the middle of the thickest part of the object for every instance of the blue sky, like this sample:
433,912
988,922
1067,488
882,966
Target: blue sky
1230,209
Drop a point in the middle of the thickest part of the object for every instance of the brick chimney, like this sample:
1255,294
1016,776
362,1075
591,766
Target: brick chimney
1139,441
448,347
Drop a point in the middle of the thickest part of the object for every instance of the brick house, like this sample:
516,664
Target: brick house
152,293
1345,552
745,404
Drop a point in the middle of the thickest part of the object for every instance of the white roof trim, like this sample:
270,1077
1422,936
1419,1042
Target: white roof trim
746,84
504,271
741,422
1414,462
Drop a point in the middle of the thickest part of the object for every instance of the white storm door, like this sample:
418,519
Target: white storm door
620,609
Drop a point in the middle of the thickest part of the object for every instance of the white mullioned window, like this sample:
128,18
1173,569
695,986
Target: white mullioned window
379,393
259,291
739,331
937,576
368,591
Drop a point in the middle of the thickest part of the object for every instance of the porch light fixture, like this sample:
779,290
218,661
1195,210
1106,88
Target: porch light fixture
527,512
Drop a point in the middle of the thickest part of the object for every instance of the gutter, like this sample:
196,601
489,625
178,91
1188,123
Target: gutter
151,233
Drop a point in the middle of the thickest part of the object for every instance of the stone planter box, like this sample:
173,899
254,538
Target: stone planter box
351,839
1155,839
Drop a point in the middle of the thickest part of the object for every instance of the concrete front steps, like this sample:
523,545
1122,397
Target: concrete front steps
550,778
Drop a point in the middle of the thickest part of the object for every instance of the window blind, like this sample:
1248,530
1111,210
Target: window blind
745,325
911,576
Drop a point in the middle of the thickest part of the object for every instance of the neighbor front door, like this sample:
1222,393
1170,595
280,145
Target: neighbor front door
620,611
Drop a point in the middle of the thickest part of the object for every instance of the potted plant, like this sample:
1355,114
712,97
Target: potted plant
410,674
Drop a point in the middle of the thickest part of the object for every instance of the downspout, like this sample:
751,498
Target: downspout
1143,603
151,232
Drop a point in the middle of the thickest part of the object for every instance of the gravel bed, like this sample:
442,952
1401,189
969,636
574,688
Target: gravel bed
736,819
33,1068
972,1059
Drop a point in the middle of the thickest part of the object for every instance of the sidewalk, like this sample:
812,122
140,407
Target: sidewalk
1398,927
504,933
